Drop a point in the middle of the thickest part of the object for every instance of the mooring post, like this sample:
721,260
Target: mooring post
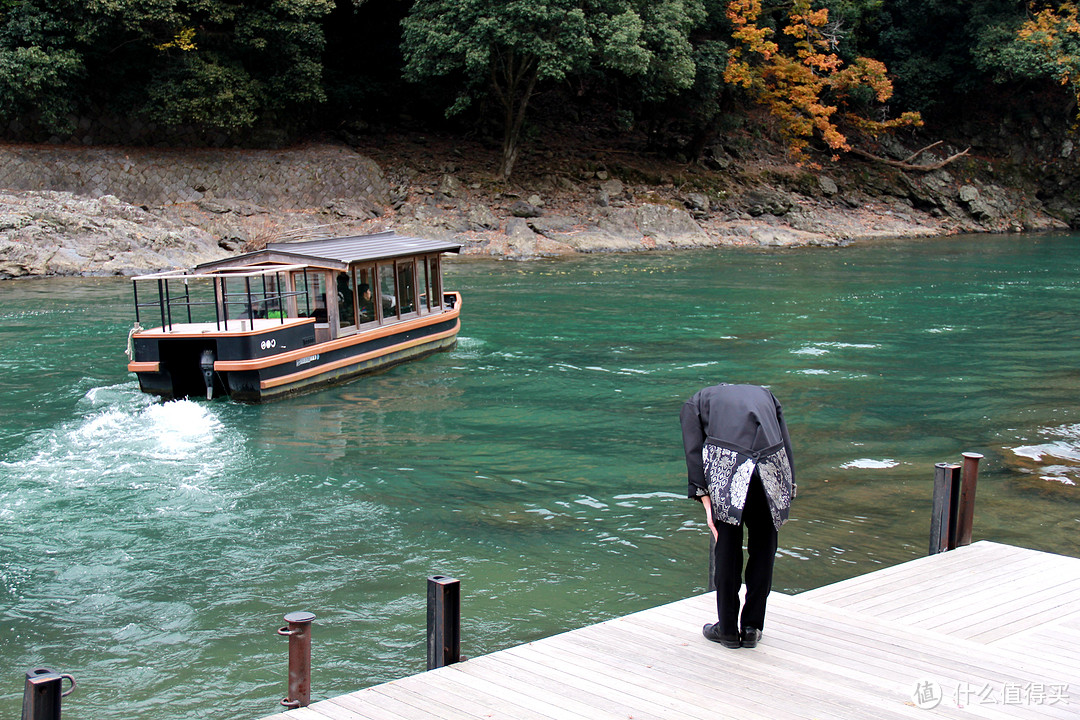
42,693
943,512
299,633
443,621
966,515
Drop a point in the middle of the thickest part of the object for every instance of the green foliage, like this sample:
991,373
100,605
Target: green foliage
929,45
214,64
33,79
506,48
201,92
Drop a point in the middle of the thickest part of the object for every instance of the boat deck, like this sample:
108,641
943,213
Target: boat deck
984,631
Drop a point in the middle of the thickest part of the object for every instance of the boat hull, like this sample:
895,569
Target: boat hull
279,360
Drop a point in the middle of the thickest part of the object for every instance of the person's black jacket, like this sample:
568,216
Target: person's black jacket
729,431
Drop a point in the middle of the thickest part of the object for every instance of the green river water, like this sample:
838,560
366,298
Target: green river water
151,549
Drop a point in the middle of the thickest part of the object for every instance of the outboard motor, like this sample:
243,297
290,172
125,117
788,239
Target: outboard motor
206,362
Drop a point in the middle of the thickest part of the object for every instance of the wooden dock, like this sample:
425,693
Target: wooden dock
984,631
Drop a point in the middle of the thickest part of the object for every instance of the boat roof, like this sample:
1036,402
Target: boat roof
338,252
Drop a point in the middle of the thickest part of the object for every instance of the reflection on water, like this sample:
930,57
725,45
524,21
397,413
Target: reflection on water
146,547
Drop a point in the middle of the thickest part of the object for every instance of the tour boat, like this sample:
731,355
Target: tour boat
294,316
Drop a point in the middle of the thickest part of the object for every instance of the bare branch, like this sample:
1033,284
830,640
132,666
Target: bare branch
905,165
917,153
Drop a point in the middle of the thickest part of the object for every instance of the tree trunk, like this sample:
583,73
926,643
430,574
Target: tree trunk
518,84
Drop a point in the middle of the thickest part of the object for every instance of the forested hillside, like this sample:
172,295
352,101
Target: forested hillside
825,78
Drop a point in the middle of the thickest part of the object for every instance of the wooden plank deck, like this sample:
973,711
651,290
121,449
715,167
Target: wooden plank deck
995,627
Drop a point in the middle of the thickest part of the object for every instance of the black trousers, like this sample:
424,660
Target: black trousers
761,544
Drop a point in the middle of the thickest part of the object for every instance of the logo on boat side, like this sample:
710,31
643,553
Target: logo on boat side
305,361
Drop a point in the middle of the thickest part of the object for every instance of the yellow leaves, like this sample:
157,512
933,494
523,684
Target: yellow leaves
183,40
793,87
1052,33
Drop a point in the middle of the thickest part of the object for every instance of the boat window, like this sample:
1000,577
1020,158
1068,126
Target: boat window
365,295
346,308
406,286
422,289
387,292
312,301
436,282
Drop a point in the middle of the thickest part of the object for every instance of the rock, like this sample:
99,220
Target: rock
602,175
826,185
59,233
716,159
480,217
358,208
536,200
552,226
651,226
520,238
697,201
613,188
777,237
450,186
522,209
975,204
767,201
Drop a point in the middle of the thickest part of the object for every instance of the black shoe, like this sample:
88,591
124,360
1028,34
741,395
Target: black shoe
750,637
712,632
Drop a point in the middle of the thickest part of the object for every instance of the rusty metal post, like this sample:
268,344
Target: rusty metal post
299,633
966,510
443,621
943,512
42,693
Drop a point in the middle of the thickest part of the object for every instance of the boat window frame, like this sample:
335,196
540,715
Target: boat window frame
379,268
283,294
372,284
398,270
350,284
435,278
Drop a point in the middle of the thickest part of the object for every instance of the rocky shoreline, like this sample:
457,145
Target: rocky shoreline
574,205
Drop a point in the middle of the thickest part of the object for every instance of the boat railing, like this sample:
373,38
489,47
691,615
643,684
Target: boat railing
242,293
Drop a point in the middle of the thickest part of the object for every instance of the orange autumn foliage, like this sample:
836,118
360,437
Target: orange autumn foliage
1054,35
808,91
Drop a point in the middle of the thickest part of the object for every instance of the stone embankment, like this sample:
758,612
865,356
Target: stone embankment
121,211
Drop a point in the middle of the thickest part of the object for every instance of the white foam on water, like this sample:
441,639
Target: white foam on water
823,348
1060,456
870,464
125,439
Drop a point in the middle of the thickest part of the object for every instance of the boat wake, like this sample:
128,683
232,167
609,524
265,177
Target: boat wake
121,438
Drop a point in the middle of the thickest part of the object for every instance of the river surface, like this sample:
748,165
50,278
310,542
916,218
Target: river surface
151,549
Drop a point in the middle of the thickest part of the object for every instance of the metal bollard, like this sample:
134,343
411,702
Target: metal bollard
443,621
42,693
966,509
299,633
943,513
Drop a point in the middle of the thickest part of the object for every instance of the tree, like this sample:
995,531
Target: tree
212,64
931,48
1044,45
508,48
803,83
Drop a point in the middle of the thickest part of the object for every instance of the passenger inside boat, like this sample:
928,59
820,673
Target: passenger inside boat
346,311
365,302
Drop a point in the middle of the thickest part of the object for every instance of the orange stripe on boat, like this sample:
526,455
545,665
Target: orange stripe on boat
345,362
